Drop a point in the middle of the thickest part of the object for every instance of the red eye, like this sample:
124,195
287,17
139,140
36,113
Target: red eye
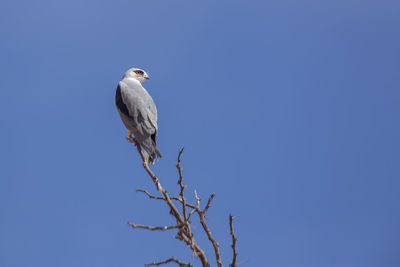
139,72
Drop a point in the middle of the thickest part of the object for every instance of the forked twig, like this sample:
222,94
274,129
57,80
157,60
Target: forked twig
215,244
161,198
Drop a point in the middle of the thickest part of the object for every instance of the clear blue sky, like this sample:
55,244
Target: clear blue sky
289,112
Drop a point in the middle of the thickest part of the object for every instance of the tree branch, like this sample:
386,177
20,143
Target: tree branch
183,223
182,264
208,203
149,195
234,239
184,233
202,215
161,198
153,228
182,187
210,237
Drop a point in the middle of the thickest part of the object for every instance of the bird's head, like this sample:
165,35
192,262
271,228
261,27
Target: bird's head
137,74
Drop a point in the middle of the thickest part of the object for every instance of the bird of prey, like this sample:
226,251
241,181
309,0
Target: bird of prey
138,112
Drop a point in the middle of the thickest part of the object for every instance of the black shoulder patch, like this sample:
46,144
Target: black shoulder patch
120,103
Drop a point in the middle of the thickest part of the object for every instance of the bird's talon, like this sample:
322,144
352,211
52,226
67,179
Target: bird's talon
130,139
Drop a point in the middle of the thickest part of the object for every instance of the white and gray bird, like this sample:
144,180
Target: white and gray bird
138,112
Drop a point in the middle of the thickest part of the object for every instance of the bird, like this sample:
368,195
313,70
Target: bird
138,112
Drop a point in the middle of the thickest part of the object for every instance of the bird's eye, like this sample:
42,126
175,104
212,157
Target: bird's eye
139,72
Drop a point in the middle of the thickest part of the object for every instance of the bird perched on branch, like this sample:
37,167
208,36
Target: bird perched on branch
138,112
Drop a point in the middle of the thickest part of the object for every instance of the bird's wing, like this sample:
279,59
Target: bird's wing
138,105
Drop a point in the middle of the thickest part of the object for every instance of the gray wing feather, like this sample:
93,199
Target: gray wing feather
142,115
140,106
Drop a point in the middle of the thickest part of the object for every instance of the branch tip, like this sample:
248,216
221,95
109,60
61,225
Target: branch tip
234,239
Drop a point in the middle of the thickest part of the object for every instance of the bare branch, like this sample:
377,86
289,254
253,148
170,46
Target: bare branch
174,210
182,187
149,195
180,263
191,213
184,232
205,226
153,228
197,200
161,198
183,219
234,239
210,237
209,203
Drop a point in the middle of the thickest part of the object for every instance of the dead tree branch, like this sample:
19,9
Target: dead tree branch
182,264
161,198
234,239
202,216
184,233
153,228
183,223
208,203
182,187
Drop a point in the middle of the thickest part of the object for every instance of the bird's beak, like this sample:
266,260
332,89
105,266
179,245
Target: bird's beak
146,77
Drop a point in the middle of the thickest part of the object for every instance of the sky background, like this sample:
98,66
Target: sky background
288,110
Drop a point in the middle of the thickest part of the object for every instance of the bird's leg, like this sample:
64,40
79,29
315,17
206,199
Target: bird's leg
131,139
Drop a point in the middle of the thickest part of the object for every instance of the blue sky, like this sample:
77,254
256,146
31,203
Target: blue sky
289,112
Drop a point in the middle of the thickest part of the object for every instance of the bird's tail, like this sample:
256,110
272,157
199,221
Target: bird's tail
150,151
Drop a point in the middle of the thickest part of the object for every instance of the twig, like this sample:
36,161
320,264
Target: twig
210,237
153,228
233,264
209,203
182,264
202,215
182,187
197,200
191,213
149,195
161,198
185,232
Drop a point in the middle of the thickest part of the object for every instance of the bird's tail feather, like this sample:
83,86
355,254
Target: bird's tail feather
150,151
